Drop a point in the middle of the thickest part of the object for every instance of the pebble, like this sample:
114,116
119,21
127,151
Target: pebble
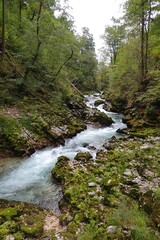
92,184
111,229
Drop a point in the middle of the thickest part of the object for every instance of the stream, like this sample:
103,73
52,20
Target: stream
30,180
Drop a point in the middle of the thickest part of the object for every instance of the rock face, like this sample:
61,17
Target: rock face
25,128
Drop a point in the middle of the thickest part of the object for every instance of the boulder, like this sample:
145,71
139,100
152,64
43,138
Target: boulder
83,156
99,102
96,116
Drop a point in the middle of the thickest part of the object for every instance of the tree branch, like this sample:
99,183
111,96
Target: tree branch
64,64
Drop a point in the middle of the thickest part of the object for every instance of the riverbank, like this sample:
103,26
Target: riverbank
115,195
34,123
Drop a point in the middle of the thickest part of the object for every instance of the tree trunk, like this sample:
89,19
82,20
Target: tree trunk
147,37
142,42
3,29
38,40
20,10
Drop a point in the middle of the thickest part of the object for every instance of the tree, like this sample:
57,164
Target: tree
113,38
3,30
139,14
86,60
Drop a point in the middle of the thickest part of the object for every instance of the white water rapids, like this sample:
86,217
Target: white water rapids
30,179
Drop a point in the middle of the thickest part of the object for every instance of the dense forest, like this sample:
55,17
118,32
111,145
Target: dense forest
46,69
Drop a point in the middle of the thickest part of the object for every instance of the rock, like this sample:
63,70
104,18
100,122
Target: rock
102,118
107,106
8,213
99,102
61,169
58,132
91,193
83,156
147,201
96,116
156,213
10,237
111,229
75,127
92,184
128,172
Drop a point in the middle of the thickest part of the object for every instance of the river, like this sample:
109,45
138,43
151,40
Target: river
30,180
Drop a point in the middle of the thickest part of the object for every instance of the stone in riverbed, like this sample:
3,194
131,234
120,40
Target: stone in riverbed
99,102
96,116
83,156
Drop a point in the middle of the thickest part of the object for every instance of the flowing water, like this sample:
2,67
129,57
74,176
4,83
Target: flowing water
30,179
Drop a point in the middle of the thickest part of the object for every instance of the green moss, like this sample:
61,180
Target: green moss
101,203
83,156
4,231
129,216
18,236
32,224
75,126
8,213
62,170
11,133
35,229
98,102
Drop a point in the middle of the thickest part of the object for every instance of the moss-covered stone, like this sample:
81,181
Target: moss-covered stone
27,223
35,229
83,156
62,169
75,126
18,236
97,116
95,189
98,102
8,213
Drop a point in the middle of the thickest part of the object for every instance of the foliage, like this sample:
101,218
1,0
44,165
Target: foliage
42,48
133,43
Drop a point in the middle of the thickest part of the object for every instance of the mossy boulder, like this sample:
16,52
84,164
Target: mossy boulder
99,102
23,221
8,213
75,126
96,116
62,169
35,229
8,227
83,156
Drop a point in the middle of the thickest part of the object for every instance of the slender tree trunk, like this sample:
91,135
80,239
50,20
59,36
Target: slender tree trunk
64,64
37,49
3,29
147,37
20,10
38,40
142,42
